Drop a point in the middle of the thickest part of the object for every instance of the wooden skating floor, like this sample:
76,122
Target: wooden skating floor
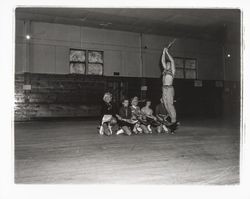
55,152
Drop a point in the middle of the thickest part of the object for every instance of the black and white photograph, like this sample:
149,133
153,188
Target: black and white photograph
130,96
70,129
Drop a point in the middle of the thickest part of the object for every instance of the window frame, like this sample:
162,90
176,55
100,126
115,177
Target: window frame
184,69
102,52
86,61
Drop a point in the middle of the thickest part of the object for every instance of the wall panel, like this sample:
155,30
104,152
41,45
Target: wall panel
62,60
20,58
42,59
122,49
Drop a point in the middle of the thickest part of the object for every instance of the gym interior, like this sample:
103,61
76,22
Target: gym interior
58,99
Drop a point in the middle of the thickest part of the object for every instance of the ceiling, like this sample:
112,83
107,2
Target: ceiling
207,24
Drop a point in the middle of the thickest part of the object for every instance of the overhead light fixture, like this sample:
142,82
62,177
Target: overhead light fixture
228,55
27,37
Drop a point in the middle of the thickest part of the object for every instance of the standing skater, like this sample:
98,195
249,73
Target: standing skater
167,88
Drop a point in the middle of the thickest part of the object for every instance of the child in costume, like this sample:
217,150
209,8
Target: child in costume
108,124
125,120
149,119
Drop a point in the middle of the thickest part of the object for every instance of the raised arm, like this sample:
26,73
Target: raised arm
163,59
171,61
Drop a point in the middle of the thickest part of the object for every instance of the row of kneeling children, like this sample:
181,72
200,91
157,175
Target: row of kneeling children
130,119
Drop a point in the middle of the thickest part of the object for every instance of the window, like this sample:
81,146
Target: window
77,61
185,68
179,65
86,62
95,62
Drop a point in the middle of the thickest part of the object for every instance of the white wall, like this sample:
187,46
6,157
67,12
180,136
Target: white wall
232,46
20,48
208,55
50,44
121,50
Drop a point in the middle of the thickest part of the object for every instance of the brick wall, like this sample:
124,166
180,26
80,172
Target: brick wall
57,96
53,95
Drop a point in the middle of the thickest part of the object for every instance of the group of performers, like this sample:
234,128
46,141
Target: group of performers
131,119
